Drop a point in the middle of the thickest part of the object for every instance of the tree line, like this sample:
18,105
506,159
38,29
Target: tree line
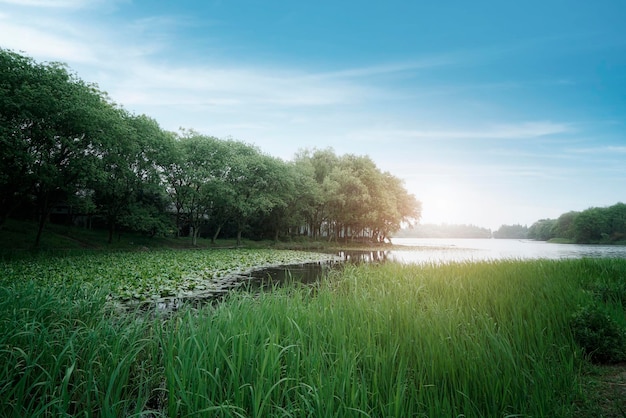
596,225
69,151
444,231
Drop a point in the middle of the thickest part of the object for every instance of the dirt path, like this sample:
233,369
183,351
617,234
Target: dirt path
607,391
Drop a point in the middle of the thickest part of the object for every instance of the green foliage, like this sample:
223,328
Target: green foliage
565,226
542,230
511,232
599,334
592,226
149,275
351,197
51,124
64,143
443,231
63,352
485,339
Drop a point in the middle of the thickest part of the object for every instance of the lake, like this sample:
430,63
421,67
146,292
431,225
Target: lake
417,251
439,250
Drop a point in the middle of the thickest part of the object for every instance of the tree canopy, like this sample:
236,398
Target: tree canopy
596,225
68,149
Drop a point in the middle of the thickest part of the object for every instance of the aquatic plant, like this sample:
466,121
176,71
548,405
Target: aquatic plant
487,339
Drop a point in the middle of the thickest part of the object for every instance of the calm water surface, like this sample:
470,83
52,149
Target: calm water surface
446,250
417,251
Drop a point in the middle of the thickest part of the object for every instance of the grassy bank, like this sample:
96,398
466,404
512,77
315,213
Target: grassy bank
481,339
17,238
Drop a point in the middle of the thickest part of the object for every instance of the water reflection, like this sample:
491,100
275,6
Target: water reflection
450,250
357,257
416,251
306,273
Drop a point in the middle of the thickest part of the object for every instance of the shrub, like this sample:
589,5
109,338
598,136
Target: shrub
599,335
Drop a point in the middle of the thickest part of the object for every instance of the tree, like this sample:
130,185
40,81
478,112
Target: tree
564,226
617,221
542,230
286,212
128,183
196,179
50,119
319,187
16,74
400,208
349,200
511,232
255,181
351,197
592,226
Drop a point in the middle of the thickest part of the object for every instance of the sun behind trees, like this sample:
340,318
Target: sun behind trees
66,147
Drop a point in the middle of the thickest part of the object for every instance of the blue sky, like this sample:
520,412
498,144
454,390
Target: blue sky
493,112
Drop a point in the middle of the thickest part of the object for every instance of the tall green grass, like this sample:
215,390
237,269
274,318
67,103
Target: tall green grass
64,353
474,339
488,339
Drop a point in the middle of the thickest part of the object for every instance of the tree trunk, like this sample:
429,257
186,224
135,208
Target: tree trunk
239,229
111,231
217,232
178,222
42,222
43,215
194,236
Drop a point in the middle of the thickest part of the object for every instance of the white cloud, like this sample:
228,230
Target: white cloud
604,149
62,4
523,130
48,3
374,70
44,45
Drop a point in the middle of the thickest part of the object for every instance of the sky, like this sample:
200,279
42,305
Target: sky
492,112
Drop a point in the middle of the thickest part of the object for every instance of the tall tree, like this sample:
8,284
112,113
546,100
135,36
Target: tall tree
349,195
16,74
128,183
51,120
564,226
196,179
255,181
319,187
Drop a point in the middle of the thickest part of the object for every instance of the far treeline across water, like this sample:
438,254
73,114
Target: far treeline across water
70,155
597,225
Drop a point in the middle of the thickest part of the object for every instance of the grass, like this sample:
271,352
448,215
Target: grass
63,353
17,239
489,339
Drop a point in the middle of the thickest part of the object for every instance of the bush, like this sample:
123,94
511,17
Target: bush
599,335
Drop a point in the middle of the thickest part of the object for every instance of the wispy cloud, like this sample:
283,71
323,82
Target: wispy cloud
524,130
130,65
62,4
603,149
48,3
390,68
36,41
153,85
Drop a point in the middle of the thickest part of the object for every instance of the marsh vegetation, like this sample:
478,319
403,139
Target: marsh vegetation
488,339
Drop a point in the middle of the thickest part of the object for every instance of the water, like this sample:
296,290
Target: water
437,250
442,250
415,251
306,273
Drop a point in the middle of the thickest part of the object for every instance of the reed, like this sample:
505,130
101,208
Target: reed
63,353
489,339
